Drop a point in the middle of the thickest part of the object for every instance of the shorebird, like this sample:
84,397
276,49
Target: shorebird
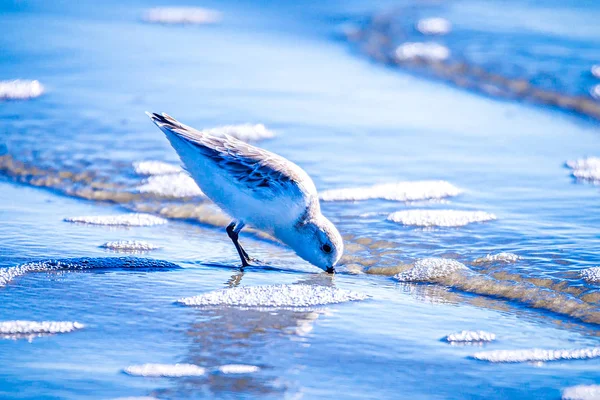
259,188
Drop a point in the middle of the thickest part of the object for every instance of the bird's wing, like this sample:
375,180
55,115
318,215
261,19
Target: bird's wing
264,173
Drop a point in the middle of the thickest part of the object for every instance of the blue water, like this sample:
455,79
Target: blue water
348,122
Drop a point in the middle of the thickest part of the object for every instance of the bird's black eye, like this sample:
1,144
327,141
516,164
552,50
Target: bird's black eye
326,248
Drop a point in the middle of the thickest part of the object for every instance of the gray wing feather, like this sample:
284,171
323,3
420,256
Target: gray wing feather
260,171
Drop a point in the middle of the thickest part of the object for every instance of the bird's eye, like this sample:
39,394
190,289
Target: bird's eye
326,248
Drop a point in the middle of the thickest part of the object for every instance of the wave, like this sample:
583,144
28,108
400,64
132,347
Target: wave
165,370
581,392
29,329
85,263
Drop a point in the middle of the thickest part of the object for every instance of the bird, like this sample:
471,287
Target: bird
258,188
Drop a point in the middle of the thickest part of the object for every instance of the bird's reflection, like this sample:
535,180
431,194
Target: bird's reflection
269,338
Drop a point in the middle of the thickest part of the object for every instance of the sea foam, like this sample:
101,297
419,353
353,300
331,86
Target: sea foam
581,392
20,89
154,167
430,269
238,369
442,218
470,337
587,169
434,26
422,50
400,191
274,296
133,245
182,15
537,355
134,219
591,275
165,370
179,185
30,329
499,257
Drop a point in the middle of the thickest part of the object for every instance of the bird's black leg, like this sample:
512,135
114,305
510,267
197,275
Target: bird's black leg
234,236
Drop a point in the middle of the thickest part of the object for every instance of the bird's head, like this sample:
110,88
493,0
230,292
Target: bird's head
317,241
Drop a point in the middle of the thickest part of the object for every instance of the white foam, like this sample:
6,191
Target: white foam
274,296
238,369
400,191
182,15
499,257
134,245
445,218
537,355
165,370
434,26
173,185
422,50
244,132
595,70
581,392
590,274
152,167
586,168
11,328
134,219
20,89
471,336
595,91
430,269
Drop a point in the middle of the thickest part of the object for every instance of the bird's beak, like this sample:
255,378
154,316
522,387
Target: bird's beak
330,270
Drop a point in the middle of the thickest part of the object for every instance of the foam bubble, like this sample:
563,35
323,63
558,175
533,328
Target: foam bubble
238,369
585,168
400,191
274,296
445,218
596,70
582,392
499,257
85,263
20,89
471,336
590,274
135,219
152,167
430,269
595,91
165,370
537,355
422,50
182,15
134,245
244,132
31,329
434,26
173,185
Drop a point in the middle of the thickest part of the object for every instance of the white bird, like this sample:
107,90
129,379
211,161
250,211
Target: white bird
257,187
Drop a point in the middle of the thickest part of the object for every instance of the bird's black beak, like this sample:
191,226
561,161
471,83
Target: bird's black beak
330,270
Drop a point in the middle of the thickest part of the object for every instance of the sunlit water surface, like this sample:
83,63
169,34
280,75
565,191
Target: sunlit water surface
349,123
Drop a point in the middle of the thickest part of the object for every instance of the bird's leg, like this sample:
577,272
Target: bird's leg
233,230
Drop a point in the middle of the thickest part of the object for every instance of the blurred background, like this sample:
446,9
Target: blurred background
460,130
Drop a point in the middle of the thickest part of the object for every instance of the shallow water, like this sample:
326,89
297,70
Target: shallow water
350,123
